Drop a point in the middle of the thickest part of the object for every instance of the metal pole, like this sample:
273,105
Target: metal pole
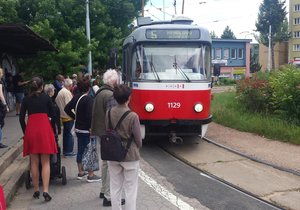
182,7
142,8
88,35
164,10
269,49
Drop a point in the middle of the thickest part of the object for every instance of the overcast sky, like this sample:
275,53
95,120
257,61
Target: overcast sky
215,15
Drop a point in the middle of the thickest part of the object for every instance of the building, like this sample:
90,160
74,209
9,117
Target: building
280,55
233,55
294,28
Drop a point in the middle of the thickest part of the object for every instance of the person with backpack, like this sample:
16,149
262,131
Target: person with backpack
104,101
124,174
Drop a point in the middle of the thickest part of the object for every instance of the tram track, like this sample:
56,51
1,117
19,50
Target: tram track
253,158
226,183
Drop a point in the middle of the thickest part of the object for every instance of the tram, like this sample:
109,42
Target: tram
168,66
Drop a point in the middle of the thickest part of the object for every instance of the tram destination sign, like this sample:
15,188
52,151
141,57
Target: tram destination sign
173,34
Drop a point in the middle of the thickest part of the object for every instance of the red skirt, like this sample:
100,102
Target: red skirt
39,137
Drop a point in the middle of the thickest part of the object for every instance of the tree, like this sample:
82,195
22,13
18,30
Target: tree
213,35
254,62
62,22
228,34
272,13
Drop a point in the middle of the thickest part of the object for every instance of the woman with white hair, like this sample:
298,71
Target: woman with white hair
49,89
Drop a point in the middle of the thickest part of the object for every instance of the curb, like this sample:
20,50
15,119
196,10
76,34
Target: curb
13,166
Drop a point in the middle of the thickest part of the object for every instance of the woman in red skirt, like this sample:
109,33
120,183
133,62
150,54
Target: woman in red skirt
39,141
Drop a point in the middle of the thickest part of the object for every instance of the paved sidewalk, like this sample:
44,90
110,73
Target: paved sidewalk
79,194
12,132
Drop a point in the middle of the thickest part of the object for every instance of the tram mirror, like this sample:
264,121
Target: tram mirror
217,70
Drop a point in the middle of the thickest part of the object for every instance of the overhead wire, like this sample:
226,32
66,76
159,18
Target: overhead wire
160,9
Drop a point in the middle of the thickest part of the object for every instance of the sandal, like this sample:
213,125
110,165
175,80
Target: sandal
47,196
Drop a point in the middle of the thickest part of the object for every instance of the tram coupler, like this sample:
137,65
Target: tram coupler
175,139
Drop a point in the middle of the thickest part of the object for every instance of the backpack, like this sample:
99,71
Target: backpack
111,142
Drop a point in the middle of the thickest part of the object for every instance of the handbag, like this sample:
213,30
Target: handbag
90,160
112,148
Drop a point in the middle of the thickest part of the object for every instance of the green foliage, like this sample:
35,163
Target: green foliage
63,22
286,93
228,34
271,12
213,35
227,81
254,93
254,64
228,111
8,13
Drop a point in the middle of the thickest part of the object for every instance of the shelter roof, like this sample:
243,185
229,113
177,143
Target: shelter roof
20,40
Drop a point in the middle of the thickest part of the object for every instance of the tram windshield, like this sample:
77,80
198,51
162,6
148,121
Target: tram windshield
167,62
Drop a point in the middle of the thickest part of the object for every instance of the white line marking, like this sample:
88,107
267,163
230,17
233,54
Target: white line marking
176,201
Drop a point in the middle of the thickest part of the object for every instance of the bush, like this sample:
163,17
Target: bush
255,93
285,85
227,81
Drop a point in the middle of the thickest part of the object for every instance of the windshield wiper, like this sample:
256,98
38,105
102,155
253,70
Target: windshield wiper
175,65
153,69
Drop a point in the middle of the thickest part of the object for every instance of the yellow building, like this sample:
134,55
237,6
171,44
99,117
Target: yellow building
294,27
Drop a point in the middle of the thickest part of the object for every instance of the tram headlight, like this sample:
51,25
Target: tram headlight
149,107
198,108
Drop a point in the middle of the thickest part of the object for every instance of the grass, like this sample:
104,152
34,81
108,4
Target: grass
228,112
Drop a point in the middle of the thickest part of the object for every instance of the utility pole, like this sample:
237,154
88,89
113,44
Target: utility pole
164,10
142,8
175,7
182,7
269,49
88,35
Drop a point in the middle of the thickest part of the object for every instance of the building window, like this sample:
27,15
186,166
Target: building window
296,47
218,53
296,34
233,53
241,54
213,53
296,21
297,7
226,53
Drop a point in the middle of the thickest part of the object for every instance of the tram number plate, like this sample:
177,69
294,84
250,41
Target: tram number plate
174,105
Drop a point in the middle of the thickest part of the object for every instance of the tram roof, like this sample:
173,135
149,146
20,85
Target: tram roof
139,34
20,40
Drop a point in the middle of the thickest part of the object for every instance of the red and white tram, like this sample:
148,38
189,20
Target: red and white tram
168,65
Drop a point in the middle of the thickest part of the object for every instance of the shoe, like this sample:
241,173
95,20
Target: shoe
70,154
108,203
47,197
101,195
36,194
3,145
80,176
94,178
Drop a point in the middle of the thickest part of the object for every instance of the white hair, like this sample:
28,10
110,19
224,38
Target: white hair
111,77
68,82
49,88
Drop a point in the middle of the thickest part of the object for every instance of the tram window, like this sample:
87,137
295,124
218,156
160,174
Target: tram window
168,62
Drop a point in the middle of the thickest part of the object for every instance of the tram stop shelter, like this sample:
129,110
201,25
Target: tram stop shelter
18,40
